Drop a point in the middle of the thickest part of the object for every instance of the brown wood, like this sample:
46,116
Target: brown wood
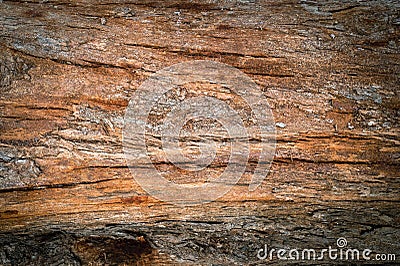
330,71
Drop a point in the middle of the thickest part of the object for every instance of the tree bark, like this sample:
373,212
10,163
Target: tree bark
330,71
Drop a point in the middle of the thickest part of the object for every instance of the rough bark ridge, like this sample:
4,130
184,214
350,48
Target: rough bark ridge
330,71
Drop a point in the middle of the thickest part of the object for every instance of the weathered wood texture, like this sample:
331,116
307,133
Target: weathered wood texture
330,71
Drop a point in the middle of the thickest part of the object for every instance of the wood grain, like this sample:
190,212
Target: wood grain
330,71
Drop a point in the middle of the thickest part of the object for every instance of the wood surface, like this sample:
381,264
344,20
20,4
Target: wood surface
329,69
